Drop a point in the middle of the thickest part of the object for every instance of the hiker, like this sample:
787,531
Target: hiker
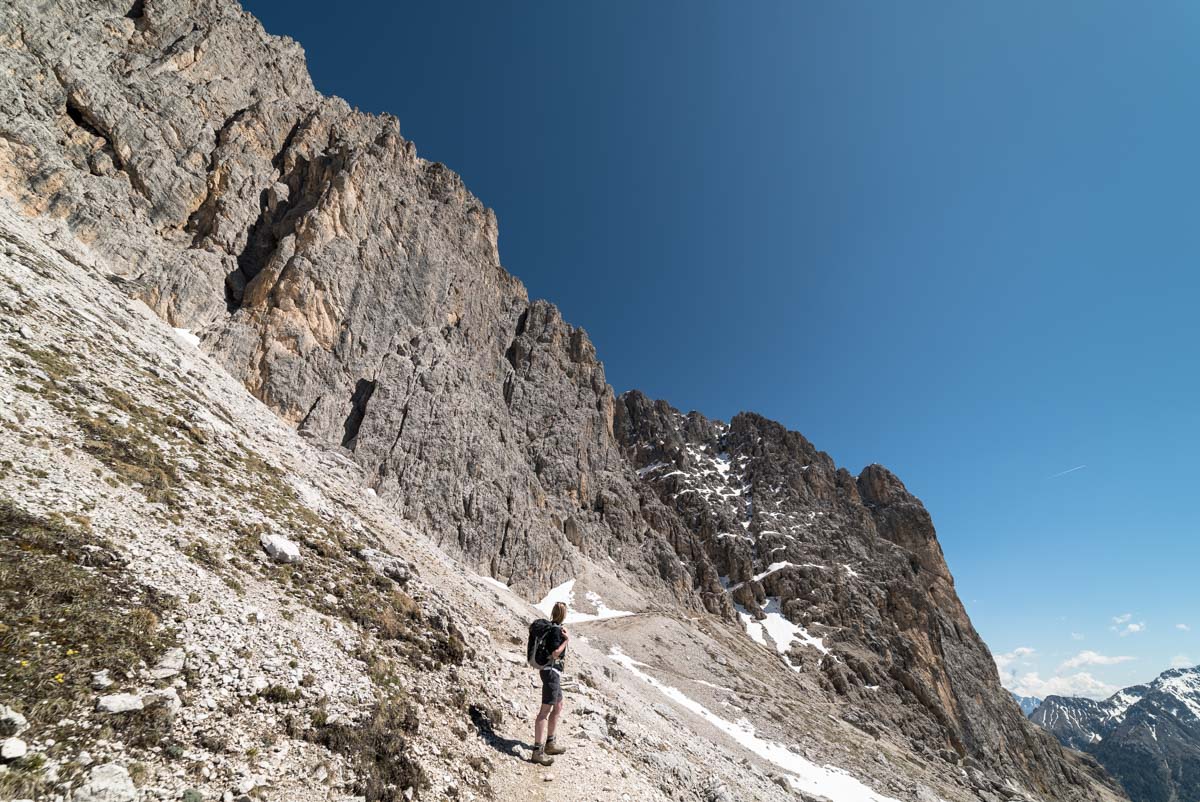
546,652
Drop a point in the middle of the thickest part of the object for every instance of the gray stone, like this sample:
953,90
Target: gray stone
170,664
119,703
108,782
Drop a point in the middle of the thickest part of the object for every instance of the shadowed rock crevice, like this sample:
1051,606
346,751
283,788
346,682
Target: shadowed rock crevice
363,390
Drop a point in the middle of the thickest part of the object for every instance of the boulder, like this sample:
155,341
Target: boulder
13,749
119,703
107,783
280,549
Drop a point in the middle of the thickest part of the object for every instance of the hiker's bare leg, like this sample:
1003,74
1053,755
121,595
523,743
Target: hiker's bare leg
539,725
555,712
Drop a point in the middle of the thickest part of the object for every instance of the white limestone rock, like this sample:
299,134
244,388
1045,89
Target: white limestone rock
280,549
107,783
13,749
119,703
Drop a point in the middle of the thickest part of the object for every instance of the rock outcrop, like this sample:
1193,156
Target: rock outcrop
354,287
854,564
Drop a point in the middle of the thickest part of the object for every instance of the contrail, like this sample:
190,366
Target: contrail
1069,470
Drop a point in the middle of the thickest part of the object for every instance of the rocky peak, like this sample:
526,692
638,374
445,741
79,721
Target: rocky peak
843,577
1145,735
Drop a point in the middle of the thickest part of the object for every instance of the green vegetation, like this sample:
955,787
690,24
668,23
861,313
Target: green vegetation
378,748
54,364
69,609
279,694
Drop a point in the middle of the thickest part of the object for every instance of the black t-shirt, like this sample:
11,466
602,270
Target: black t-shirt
554,639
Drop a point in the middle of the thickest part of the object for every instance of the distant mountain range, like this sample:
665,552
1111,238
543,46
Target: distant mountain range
1147,736
1028,703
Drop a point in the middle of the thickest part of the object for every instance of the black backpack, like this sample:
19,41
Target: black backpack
536,653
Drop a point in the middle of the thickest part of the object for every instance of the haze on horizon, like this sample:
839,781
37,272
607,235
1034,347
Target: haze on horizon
956,240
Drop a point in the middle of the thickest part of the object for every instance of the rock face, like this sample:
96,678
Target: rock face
819,559
352,286
357,290
1148,736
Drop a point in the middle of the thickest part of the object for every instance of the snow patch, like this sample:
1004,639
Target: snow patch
804,775
186,336
496,583
565,593
782,632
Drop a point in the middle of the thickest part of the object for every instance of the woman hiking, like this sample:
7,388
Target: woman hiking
550,658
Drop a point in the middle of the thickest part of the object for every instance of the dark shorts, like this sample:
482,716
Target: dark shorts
551,686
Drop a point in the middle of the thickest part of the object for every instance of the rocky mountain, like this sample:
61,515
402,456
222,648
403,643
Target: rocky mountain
1078,721
843,576
1027,703
441,447
1147,736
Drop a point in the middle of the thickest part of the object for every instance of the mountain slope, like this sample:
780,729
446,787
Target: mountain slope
1027,703
843,574
356,290
1148,736
137,482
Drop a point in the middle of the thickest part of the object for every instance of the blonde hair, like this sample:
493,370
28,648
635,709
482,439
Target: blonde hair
559,613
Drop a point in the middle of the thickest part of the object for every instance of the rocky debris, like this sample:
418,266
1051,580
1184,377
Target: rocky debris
388,565
107,783
280,549
13,748
119,703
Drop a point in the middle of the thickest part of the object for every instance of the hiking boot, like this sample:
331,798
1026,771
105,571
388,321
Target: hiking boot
552,747
540,757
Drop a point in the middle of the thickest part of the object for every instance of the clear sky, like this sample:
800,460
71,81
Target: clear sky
958,239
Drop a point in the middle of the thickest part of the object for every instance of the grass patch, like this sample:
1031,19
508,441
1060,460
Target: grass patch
25,780
279,694
69,609
53,363
378,748
136,445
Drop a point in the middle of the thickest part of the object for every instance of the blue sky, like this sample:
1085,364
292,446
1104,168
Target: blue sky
958,239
